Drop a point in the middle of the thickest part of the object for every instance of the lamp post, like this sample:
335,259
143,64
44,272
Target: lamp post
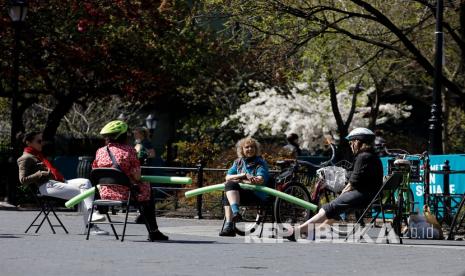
151,123
435,121
122,117
17,11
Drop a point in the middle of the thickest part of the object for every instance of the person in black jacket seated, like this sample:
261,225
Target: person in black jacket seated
365,179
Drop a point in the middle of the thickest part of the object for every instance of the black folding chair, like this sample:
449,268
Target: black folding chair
458,219
381,205
109,177
47,206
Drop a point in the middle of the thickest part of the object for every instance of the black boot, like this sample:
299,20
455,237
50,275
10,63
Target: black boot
147,211
157,236
228,230
292,236
139,219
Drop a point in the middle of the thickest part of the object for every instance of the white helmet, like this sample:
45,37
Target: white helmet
362,134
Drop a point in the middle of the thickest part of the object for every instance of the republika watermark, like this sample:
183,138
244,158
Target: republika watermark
335,233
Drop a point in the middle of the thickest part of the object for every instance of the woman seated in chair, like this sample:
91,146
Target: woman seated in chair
36,170
365,179
251,168
116,139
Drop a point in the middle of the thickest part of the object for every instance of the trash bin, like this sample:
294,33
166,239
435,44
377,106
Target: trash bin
5,162
67,165
84,166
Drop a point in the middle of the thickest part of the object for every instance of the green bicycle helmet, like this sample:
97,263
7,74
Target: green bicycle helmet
114,127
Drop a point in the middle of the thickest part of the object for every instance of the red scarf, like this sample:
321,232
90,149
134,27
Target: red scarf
56,174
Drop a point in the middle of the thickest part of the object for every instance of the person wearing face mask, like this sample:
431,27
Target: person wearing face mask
250,168
365,179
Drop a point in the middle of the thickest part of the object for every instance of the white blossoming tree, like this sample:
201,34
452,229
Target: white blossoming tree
307,111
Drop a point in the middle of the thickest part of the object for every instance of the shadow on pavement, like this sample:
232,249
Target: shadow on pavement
186,242
8,236
434,243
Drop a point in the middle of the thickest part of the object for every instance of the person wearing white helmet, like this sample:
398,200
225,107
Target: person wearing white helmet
365,179
361,134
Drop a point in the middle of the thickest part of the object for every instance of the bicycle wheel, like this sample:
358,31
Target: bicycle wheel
286,212
399,214
409,202
252,217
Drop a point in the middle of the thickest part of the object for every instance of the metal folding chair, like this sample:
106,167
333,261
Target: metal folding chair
108,177
254,215
46,204
458,219
391,184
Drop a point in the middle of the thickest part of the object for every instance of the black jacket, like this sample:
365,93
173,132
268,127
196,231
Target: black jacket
367,172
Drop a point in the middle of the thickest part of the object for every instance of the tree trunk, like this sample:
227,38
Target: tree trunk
374,111
408,44
343,150
462,33
53,121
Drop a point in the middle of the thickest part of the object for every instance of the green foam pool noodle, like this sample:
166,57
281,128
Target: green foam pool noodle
276,193
258,188
80,197
167,179
207,189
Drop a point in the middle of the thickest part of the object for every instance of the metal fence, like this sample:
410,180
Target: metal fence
171,200
5,164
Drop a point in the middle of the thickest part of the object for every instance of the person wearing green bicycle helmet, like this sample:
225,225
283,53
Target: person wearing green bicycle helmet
114,129
125,159
365,179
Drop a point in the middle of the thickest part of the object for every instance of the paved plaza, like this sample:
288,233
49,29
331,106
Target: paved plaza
195,249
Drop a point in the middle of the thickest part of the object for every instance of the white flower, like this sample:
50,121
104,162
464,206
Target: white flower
306,111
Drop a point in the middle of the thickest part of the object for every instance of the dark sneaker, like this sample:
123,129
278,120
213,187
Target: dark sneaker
292,236
157,236
227,232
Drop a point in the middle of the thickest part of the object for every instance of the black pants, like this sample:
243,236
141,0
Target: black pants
246,197
147,210
348,200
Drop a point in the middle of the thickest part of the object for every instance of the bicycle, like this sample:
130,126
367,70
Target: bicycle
286,181
409,166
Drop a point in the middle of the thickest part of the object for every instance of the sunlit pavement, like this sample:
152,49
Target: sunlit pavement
195,249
